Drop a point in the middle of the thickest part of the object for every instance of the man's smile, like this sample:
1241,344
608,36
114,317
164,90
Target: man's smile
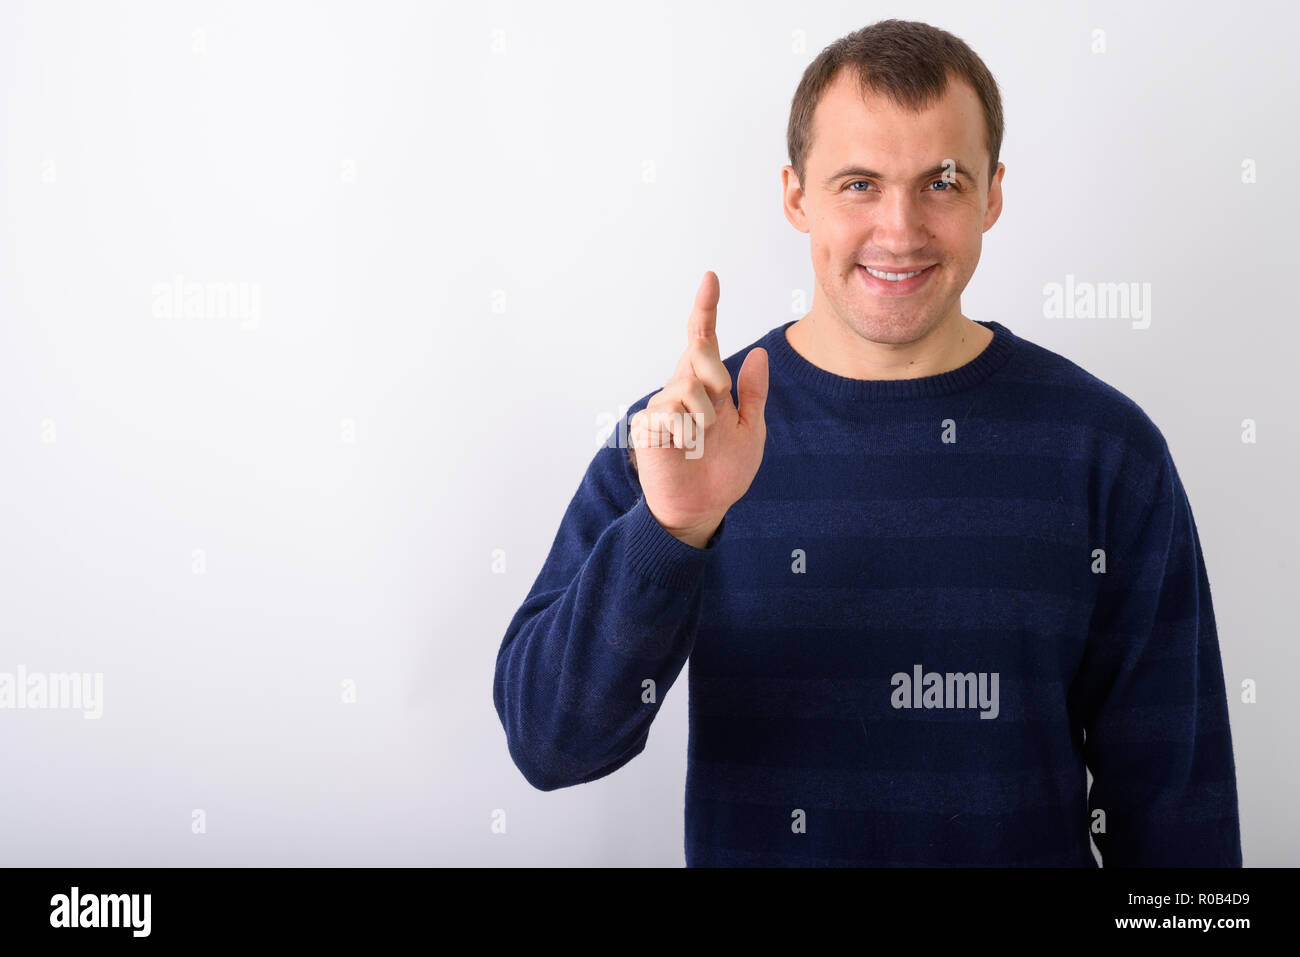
895,282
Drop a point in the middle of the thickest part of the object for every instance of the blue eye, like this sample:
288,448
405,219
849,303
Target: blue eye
947,186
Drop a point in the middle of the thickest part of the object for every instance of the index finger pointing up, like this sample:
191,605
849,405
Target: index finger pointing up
703,323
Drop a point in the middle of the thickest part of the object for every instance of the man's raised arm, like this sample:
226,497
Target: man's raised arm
612,617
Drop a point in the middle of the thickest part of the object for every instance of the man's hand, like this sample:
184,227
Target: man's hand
696,453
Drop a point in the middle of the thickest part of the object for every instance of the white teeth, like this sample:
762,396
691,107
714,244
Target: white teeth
893,276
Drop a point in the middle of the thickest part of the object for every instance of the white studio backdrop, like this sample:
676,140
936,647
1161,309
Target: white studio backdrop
437,245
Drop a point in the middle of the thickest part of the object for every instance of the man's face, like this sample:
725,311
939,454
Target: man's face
877,194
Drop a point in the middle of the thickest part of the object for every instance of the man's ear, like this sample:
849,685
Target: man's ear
994,206
792,199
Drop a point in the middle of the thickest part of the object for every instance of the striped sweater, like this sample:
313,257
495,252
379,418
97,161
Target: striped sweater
942,602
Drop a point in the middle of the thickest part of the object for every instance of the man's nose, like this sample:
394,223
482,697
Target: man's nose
900,222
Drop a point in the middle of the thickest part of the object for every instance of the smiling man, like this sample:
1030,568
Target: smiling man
927,573
894,242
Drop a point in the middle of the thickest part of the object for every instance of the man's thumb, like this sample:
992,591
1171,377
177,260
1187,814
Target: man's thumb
751,386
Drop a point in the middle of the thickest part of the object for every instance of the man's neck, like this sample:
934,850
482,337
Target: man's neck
830,345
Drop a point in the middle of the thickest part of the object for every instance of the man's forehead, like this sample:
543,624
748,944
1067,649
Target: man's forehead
870,129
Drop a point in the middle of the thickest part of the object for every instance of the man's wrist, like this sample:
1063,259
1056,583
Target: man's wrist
698,535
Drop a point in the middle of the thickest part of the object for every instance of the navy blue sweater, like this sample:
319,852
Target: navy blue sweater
940,599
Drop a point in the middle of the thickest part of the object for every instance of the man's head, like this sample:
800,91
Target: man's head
894,138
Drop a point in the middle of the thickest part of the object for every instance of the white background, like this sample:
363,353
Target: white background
475,229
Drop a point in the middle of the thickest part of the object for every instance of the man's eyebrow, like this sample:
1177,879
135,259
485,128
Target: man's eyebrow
864,173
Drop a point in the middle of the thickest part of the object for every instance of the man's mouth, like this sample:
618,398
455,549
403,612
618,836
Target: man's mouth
896,275
894,281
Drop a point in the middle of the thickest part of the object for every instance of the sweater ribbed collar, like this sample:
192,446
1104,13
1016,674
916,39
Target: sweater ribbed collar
785,359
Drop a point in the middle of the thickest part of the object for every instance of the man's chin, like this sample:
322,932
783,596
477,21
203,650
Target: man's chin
893,328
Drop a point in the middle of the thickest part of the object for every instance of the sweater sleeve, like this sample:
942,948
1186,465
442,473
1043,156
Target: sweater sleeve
1150,695
616,605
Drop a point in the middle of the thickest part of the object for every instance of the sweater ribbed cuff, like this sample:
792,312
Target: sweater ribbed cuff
659,555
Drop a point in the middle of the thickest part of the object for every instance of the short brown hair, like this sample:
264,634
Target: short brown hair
907,61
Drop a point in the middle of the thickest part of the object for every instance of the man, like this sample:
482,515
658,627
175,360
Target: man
927,573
